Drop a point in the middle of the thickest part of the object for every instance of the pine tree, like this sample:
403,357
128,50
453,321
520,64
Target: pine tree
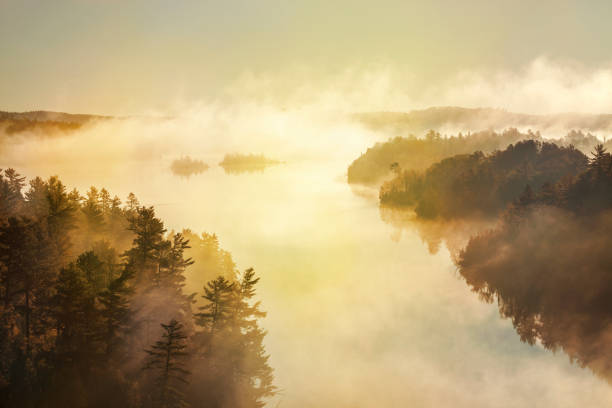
77,318
149,232
93,269
61,215
27,272
93,212
132,203
105,201
175,263
36,198
166,358
236,372
117,224
11,199
252,373
115,311
216,313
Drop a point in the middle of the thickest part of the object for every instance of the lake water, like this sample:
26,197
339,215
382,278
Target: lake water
358,316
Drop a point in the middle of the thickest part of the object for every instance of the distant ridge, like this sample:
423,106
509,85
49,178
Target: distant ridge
44,123
454,118
50,116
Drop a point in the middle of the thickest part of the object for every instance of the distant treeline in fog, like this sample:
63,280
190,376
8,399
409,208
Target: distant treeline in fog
456,119
43,122
186,166
479,184
412,153
101,306
246,163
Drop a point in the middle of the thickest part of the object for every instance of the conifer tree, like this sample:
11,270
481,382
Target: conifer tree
175,263
61,215
105,201
77,317
166,360
93,212
216,313
115,311
231,345
94,270
252,373
149,232
11,199
37,203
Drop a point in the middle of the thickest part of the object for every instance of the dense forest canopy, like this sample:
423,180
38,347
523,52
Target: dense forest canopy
44,122
412,153
542,252
95,309
479,184
549,266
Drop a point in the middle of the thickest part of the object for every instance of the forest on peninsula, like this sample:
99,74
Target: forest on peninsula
95,309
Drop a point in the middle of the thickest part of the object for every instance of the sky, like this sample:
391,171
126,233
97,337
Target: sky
129,57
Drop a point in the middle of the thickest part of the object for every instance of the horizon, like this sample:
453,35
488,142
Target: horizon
114,58
305,204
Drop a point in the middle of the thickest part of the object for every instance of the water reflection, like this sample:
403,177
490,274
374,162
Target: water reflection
355,319
186,166
452,234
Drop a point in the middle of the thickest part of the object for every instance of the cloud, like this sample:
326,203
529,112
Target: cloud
543,86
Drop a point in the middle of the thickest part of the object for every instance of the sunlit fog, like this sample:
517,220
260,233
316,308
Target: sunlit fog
197,214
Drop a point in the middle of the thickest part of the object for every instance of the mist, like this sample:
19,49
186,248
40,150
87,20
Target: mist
549,274
356,315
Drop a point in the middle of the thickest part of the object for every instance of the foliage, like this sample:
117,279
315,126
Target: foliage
479,184
85,283
411,153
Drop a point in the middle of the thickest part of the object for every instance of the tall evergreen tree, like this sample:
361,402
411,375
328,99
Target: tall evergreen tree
61,215
234,368
217,311
115,311
93,213
167,362
148,240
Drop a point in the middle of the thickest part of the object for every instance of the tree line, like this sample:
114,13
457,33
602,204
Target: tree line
95,310
547,264
412,153
479,184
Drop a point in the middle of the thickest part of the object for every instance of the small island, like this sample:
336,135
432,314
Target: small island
246,163
186,166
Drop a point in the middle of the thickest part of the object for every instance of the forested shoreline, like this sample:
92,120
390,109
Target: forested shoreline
528,227
547,264
378,163
95,311
479,184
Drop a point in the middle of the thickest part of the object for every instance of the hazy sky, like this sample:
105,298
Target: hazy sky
122,57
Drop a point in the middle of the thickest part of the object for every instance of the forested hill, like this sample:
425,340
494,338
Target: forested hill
412,153
547,265
44,122
101,306
478,184
455,119
46,116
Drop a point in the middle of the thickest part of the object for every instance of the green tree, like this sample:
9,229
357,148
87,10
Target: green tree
148,240
166,359
93,213
217,311
115,311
